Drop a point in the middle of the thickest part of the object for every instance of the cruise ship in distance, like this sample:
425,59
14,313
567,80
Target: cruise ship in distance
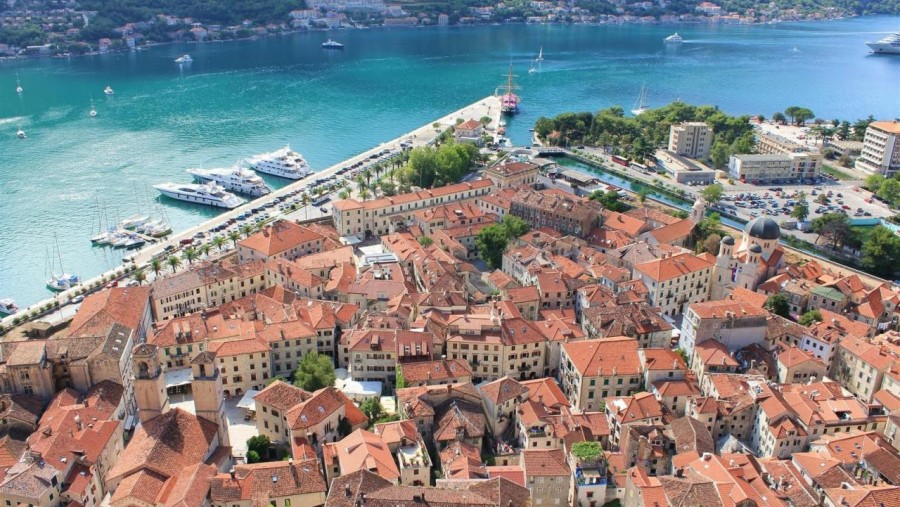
207,193
889,44
236,179
284,163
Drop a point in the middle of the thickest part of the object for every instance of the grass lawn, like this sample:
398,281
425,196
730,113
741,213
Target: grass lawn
837,173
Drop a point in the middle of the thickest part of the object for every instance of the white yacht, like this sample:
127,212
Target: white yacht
674,39
8,307
284,163
109,91
134,222
184,59
330,44
20,133
207,193
237,179
63,282
889,44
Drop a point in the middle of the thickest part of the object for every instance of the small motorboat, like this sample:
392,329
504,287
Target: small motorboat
109,91
184,59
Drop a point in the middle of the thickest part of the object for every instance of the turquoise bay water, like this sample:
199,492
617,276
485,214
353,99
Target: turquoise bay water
242,98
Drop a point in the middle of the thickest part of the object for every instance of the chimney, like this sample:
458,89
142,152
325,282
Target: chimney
231,473
347,491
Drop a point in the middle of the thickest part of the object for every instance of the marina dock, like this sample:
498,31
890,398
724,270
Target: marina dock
422,136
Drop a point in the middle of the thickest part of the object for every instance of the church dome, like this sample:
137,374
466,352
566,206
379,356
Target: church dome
754,248
728,240
763,228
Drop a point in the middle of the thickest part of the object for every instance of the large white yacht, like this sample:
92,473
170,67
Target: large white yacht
207,193
237,179
285,163
889,44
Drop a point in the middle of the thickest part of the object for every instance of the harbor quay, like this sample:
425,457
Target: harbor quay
425,135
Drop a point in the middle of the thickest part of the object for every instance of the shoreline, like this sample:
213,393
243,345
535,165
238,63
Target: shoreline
422,135
431,26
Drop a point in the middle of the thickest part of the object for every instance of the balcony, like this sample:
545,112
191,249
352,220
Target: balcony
589,478
536,432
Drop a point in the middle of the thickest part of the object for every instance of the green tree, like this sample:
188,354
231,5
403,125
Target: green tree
779,305
139,276
400,380
253,457
155,265
890,191
219,242
873,182
801,209
834,228
514,226
779,118
719,154
174,262
372,408
802,115
712,194
881,252
388,188
843,131
314,372
491,242
344,194
485,120
810,317
246,230
259,445
190,254
234,236
711,244
791,112
425,241
610,200
710,225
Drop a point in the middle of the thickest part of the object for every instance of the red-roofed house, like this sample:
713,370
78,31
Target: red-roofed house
797,365
284,239
593,370
675,282
512,174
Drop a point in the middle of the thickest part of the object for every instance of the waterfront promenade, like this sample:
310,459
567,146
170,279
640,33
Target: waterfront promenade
422,136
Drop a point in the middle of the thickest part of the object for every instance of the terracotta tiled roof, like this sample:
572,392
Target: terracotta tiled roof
662,359
502,390
612,356
282,396
512,168
642,406
673,232
436,371
269,480
280,237
625,223
714,353
99,311
793,356
362,450
461,460
512,473
544,462
727,308
546,391
166,445
316,408
662,270
347,489
455,416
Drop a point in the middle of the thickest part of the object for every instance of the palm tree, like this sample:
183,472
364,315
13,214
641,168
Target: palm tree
364,193
379,168
205,248
218,242
247,230
190,253
156,265
367,174
344,194
174,262
234,236
139,276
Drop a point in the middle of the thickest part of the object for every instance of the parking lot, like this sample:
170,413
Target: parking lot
779,202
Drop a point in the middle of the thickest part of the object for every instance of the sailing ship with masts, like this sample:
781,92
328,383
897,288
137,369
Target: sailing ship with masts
509,101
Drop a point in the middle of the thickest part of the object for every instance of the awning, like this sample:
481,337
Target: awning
247,400
175,378
350,240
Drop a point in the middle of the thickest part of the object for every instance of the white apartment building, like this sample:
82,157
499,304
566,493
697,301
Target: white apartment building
766,168
881,149
690,139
